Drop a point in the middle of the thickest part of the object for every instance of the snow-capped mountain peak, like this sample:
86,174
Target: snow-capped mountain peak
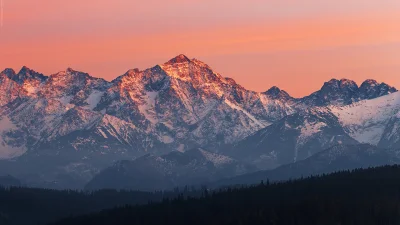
10,90
71,72
349,83
28,74
339,85
370,89
231,81
179,59
276,93
71,75
8,72
344,92
193,71
370,82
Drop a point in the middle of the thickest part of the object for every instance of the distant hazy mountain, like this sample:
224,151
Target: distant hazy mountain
7,181
149,172
339,157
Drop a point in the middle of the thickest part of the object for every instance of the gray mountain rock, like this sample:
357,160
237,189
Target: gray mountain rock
344,92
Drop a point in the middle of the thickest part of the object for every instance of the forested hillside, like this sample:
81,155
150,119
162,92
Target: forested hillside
364,196
30,206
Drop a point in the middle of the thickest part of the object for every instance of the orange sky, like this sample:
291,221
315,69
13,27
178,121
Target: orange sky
293,44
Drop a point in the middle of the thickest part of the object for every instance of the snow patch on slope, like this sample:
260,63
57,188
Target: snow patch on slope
365,121
307,131
30,88
147,109
102,133
166,139
65,100
369,135
216,159
7,150
233,106
94,99
117,128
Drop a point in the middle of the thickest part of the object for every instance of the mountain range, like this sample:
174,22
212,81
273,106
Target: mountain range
60,130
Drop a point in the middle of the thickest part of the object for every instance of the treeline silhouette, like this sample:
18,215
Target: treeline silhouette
363,196
32,206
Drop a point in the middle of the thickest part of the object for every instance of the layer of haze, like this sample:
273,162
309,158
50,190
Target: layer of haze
293,44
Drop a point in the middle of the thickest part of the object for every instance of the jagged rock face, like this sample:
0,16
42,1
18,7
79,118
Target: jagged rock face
338,92
73,87
193,167
9,89
344,92
26,75
276,93
371,89
19,85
